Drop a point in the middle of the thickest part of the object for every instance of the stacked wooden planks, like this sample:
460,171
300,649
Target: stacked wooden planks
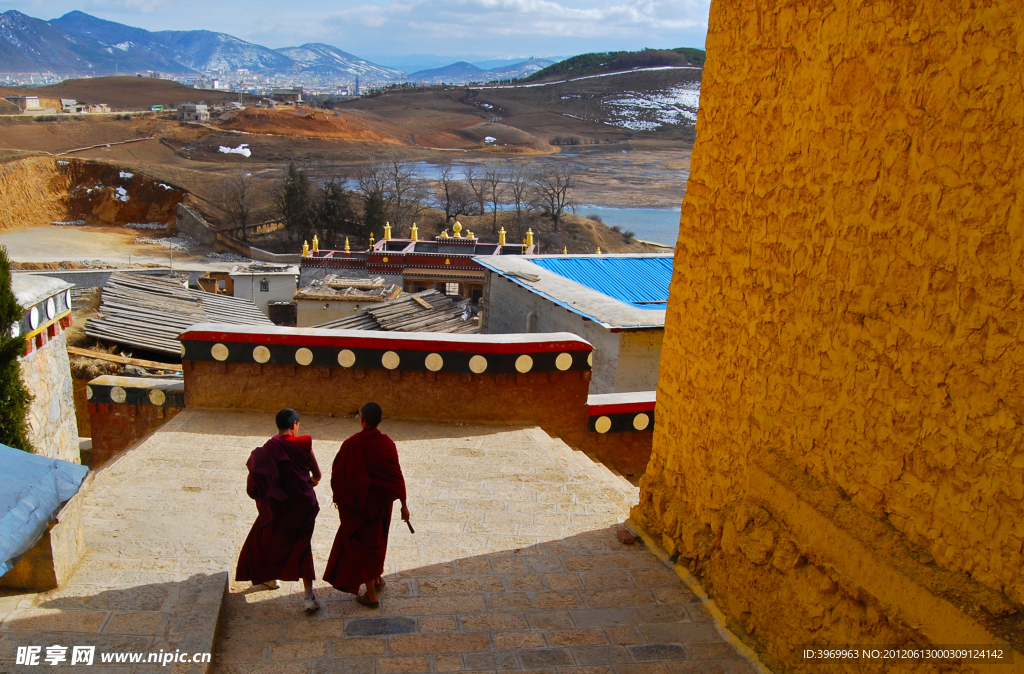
149,313
428,311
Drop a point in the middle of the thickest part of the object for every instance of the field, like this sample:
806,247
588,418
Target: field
542,125
123,93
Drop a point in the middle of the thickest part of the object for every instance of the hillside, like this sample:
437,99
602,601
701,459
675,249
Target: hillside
124,93
618,61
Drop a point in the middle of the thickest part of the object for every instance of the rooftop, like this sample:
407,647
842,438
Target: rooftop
30,289
615,291
334,288
265,269
427,311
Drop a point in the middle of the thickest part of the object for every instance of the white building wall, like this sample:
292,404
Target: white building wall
280,288
620,365
315,312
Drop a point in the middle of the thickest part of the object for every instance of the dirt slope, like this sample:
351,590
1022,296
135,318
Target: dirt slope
303,122
33,192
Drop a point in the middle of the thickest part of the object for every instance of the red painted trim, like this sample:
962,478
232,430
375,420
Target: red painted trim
619,408
388,342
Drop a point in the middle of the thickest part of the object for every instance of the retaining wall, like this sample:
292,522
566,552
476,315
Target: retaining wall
123,410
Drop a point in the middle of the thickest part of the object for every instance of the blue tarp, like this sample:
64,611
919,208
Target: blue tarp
638,281
32,490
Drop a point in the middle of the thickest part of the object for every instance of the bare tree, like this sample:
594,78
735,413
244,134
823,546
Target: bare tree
493,183
238,201
405,190
554,188
477,187
517,190
372,179
450,194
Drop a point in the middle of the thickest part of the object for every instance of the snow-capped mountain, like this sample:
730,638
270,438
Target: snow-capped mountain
78,43
323,59
32,45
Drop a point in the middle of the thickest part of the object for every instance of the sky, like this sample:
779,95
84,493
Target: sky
479,29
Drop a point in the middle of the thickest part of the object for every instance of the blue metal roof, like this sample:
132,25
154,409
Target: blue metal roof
638,281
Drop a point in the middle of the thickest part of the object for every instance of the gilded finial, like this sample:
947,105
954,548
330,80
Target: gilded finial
387,231
316,244
457,229
305,249
529,237
599,250
565,250
501,237
444,234
414,233
371,239
347,249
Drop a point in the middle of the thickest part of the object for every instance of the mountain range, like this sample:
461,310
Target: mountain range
80,44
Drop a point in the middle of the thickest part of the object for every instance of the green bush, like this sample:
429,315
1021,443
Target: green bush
14,397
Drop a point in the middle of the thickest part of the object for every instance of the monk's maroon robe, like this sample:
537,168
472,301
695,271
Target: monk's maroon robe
278,546
366,480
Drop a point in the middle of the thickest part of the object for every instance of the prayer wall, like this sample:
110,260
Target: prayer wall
535,379
839,453
123,410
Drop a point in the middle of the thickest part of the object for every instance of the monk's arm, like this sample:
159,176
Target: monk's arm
314,468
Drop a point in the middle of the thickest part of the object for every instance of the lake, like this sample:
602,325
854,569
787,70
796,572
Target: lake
660,225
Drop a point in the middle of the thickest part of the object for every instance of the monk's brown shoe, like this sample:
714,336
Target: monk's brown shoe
361,598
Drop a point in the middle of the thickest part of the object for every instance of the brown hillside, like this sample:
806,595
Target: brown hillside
303,122
123,93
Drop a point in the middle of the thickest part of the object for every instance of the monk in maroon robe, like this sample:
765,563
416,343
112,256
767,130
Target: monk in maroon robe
282,474
366,480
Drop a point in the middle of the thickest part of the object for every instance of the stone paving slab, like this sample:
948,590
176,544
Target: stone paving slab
514,566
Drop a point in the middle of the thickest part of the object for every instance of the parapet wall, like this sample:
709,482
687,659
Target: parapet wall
540,379
840,446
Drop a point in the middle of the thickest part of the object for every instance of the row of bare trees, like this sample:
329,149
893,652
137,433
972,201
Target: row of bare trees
391,188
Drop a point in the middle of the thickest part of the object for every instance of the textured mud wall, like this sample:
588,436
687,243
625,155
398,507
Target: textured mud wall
33,193
847,303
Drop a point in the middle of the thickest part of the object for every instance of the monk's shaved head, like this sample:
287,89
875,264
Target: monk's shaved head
371,414
286,418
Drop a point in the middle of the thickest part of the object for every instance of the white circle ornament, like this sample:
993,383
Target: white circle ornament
590,359
261,354
478,364
88,393
303,356
641,421
33,318
603,424
390,360
157,397
67,299
346,358
434,362
118,394
524,363
51,308
564,361
182,349
219,351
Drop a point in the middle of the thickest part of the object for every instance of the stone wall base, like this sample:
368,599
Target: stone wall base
52,560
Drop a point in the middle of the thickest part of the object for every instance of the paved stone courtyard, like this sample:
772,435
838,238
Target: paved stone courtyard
514,565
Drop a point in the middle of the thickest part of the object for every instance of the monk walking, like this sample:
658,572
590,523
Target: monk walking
366,480
282,474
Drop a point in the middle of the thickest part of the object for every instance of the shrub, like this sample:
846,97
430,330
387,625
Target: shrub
14,397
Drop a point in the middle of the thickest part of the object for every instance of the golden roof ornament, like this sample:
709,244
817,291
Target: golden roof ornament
414,233
529,237
371,239
565,250
444,234
347,249
316,244
501,237
305,249
599,250
387,231
457,229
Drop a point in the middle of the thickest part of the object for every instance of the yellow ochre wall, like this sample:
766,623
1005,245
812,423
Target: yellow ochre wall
839,452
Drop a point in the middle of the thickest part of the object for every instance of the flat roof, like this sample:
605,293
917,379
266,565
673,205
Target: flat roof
31,289
616,291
